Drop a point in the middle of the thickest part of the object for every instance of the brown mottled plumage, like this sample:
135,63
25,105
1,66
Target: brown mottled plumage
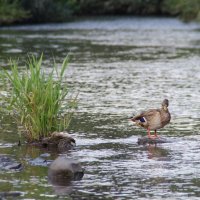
153,119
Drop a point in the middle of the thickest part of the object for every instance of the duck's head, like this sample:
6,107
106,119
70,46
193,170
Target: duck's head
165,104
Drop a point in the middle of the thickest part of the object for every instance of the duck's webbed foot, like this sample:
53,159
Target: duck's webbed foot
152,136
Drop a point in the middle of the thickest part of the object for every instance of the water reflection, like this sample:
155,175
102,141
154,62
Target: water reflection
62,172
118,66
157,153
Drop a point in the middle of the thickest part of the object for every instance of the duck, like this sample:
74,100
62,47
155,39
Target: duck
153,119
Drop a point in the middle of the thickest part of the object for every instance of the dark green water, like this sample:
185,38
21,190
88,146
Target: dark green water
119,66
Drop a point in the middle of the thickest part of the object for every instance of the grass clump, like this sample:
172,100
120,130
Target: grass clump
38,100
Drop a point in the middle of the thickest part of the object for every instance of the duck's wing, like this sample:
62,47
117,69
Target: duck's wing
146,115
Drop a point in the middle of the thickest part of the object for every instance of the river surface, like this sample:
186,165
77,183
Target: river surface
119,66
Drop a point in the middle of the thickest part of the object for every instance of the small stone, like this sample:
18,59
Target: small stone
7,163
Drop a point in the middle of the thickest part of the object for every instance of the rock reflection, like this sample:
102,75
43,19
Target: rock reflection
158,153
62,172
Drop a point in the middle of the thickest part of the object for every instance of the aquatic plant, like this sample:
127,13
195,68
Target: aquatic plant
38,100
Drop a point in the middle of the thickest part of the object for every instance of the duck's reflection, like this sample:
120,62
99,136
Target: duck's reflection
62,172
158,153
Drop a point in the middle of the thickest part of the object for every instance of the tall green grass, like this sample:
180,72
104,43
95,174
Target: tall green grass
39,100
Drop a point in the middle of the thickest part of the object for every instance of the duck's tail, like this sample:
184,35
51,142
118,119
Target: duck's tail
132,118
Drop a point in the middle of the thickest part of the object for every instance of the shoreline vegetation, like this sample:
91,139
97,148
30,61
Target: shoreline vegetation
44,11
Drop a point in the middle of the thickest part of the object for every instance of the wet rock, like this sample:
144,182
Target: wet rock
39,162
66,144
61,140
5,195
146,140
15,166
63,170
7,163
42,160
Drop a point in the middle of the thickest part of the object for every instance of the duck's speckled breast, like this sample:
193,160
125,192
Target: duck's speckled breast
159,120
155,122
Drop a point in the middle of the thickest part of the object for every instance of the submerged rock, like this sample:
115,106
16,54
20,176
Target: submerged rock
40,162
7,163
10,194
61,140
63,170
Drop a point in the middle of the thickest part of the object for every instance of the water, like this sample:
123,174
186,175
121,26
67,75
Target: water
119,66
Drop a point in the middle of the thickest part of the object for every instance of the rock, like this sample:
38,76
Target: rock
7,163
60,135
9,194
40,162
15,166
63,170
145,140
61,140
66,144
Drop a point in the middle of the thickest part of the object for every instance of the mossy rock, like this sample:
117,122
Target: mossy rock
61,140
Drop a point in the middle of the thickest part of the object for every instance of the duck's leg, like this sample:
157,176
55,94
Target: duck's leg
155,134
149,134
